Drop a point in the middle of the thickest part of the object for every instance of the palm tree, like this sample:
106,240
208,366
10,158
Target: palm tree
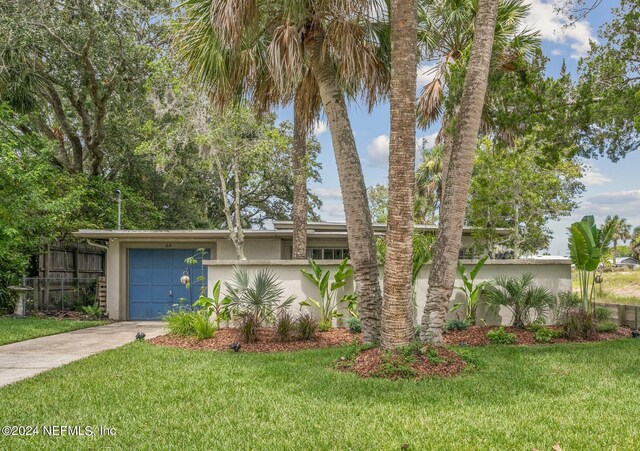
316,52
428,185
446,29
621,232
635,242
521,296
458,181
397,305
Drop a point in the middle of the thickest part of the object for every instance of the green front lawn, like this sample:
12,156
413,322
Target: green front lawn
19,329
583,396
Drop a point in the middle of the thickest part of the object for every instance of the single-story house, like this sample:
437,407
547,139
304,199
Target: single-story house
144,267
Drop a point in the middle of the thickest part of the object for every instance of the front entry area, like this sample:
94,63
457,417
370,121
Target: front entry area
154,281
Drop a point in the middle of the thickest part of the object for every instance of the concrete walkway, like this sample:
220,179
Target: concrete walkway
27,358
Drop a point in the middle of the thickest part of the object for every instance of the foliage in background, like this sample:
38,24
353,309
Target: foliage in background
328,304
518,189
620,231
527,301
608,98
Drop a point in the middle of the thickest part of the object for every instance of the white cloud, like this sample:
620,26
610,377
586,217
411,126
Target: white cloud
332,211
543,18
623,203
319,127
593,176
378,151
428,140
327,193
425,73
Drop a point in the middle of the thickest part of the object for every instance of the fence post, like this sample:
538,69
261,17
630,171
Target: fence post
47,272
621,315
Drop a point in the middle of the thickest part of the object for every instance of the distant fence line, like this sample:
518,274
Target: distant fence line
623,314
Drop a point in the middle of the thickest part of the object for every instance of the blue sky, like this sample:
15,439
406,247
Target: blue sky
612,188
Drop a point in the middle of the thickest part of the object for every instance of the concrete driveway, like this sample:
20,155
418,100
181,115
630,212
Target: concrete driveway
27,358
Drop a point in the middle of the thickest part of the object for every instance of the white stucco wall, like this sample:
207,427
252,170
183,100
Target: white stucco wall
254,249
555,275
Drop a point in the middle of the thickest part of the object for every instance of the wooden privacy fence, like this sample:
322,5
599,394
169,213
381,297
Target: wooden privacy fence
71,261
69,274
623,314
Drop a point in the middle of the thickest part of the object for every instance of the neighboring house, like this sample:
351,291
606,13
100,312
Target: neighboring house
628,262
144,267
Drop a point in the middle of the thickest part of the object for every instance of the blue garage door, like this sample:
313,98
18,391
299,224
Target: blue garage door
154,281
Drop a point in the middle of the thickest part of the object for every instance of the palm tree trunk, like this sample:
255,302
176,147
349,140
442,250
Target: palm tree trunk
300,201
354,193
447,147
397,304
452,210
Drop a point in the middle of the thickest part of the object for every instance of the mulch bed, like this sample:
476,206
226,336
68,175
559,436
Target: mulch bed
477,336
268,341
375,362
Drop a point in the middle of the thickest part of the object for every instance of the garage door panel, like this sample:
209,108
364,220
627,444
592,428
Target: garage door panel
139,259
159,309
140,276
154,281
140,311
162,276
141,293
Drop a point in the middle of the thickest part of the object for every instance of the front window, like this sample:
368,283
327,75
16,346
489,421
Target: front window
327,253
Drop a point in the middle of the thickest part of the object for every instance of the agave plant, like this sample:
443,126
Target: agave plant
527,301
586,246
260,296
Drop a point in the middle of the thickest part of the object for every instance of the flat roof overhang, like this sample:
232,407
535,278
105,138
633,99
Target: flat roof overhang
188,235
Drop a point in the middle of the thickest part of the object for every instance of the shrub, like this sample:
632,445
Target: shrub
606,326
354,325
329,303
202,326
306,326
544,335
603,314
579,324
248,327
180,322
521,296
260,296
94,311
500,336
284,325
456,324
